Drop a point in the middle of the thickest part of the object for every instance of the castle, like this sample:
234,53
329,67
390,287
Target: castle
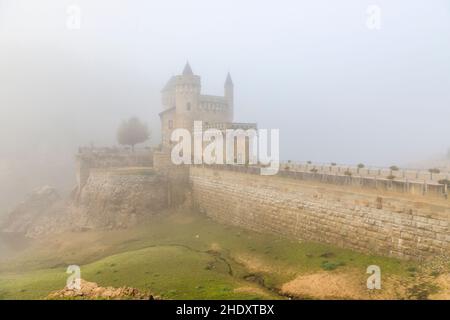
184,103
360,208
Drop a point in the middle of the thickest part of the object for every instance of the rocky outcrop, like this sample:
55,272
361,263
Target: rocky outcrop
90,290
42,212
111,199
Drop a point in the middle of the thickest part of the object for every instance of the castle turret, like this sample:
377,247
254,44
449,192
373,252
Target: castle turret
168,94
187,71
229,96
187,95
183,104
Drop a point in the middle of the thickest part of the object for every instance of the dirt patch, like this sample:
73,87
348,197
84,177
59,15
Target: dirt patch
340,285
253,263
258,265
215,247
443,284
323,286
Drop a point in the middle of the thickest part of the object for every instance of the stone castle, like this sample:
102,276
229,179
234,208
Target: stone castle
380,211
391,212
183,104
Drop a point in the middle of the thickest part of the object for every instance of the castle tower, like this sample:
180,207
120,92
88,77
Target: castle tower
183,104
168,94
229,96
187,96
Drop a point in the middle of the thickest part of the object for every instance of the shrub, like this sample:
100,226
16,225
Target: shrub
348,173
331,265
314,170
360,166
390,177
412,269
394,168
445,181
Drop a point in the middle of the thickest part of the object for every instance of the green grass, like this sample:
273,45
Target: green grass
31,285
180,257
174,271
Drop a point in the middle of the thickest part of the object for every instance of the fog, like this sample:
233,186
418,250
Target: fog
337,90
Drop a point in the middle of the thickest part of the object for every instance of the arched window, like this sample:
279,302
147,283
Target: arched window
188,106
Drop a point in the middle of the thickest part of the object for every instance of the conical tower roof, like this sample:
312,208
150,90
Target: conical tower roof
228,81
187,71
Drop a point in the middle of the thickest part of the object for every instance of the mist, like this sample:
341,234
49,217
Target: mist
337,90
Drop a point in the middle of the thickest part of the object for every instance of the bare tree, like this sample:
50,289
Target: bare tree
132,132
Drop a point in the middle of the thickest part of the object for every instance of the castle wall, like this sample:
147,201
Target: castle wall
94,158
367,220
214,109
116,198
121,197
411,175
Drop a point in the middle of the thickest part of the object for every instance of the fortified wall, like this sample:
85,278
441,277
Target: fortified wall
342,212
399,218
118,188
89,158
121,197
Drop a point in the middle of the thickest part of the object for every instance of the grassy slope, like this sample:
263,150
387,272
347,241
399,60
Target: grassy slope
180,257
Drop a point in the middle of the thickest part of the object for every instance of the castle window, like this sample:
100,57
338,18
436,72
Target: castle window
170,124
188,106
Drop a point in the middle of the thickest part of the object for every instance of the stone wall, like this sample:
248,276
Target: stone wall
103,158
162,161
426,189
400,174
121,197
368,220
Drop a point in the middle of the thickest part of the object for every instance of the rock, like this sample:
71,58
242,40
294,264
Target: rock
91,290
110,199
42,212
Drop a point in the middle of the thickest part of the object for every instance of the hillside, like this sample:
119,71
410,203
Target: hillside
217,262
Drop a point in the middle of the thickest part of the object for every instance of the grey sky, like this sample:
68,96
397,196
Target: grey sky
337,90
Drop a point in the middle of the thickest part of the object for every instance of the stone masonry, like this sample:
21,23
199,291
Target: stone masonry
364,220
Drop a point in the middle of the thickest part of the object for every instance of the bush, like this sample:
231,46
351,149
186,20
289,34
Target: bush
314,170
445,182
348,173
394,168
331,265
412,269
390,177
360,166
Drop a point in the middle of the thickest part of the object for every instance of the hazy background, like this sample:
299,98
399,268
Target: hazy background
337,90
